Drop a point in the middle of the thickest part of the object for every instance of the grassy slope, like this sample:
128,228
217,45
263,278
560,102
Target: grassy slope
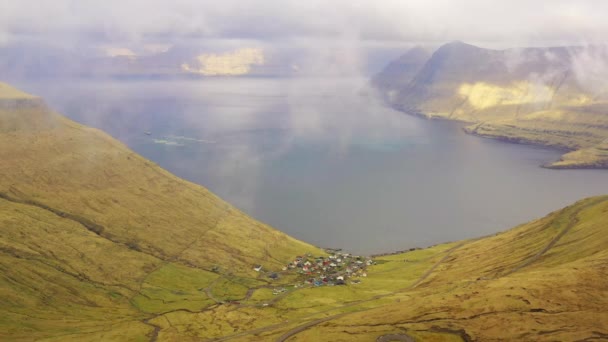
544,280
539,101
84,172
517,285
95,237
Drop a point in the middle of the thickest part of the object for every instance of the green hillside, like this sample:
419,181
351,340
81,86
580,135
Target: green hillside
100,244
533,96
542,281
95,238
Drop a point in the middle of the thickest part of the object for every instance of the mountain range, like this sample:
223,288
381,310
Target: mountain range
555,96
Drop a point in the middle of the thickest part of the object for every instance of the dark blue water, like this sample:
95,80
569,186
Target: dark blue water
324,162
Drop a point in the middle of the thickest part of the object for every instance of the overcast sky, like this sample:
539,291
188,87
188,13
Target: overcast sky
132,22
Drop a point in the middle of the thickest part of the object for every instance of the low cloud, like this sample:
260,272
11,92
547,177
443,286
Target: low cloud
119,52
590,67
584,64
516,22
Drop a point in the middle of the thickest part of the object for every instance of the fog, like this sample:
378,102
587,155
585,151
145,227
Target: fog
140,22
106,38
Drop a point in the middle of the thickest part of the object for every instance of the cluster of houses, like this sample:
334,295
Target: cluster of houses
335,269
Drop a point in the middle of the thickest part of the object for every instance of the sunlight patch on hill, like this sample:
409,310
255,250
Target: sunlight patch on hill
238,62
483,95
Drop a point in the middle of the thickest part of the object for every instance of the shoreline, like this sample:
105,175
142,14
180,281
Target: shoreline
509,140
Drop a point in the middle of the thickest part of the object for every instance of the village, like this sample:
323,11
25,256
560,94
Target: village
335,269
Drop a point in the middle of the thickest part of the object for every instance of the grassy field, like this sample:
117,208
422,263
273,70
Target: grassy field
99,244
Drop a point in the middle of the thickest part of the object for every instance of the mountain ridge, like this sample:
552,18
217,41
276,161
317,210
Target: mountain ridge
543,96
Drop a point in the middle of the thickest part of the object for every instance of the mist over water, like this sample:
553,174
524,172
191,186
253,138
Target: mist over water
323,161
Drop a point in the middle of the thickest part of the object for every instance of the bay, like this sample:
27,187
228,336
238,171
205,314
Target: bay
324,161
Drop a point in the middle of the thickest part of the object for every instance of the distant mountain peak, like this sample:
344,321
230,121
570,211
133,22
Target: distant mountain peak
457,47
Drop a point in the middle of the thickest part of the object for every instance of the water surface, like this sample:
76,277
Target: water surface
324,162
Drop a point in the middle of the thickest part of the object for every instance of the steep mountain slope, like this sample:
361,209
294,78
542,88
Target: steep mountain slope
399,73
546,96
89,230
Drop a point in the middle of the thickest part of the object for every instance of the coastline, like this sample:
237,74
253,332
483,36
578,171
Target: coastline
470,128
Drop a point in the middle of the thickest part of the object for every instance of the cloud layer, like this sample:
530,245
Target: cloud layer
511,23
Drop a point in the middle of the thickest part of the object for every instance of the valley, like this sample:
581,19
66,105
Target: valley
303,171
98,243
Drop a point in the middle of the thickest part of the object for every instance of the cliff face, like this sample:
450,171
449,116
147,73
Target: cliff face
547,96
